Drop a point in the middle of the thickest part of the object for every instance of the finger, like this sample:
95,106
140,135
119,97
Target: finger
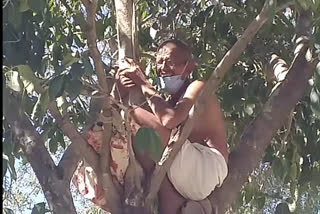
125,79
128,83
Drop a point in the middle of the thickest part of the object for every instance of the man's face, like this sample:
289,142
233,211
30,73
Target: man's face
169,61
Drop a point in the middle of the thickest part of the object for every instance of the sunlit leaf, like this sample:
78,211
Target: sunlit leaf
41,105
69,60
13,81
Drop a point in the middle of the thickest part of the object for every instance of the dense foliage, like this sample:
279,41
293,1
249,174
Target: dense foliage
46,41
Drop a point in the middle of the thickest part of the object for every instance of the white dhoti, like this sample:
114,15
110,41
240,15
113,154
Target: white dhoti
197,170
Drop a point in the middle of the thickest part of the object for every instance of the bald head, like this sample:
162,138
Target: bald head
177,46
173,58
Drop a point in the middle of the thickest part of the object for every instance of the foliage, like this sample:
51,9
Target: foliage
45,47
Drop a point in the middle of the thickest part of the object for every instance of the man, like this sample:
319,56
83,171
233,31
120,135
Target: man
201,164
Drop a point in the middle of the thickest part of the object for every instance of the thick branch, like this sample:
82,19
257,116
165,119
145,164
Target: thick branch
257,136
55,189
210,87
79,145
69,161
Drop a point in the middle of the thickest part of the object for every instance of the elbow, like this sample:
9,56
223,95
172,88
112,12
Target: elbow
169,122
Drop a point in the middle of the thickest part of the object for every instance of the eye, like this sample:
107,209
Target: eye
159,62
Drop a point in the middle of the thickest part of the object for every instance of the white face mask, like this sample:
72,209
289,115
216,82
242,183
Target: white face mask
170,84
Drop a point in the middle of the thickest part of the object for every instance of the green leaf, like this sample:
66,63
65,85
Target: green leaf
77,70
147,140
249,192
293,172
277,168
282,208
69,60
184,19
87,65
44,100
56,87
271,9
143,15
14,16
4,166
60,139
304,4
73,88
203,3
39,208
41,106
315,101
13,81
260,201
37,6
23,6
53,145
26,72
30,81
11,167
317,76
8,211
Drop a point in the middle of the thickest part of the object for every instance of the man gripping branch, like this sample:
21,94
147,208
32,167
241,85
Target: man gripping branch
201,164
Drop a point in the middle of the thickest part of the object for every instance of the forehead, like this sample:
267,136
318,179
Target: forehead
169,51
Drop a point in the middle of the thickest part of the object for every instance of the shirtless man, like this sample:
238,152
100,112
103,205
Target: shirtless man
200,165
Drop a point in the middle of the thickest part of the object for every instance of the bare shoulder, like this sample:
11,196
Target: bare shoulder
194,89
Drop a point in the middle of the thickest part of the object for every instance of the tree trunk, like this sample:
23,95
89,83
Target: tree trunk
50,177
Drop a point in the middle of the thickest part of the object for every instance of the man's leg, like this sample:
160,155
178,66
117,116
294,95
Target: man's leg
170,201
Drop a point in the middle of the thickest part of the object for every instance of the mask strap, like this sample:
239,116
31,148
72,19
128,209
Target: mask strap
184,69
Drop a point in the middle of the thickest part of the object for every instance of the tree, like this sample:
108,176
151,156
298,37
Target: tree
56,53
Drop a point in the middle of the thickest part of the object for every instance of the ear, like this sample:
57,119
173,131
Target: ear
189,67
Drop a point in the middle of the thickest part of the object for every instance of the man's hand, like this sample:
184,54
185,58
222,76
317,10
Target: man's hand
131,74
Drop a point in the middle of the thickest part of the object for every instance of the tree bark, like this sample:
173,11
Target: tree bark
50,177
258,134
127,39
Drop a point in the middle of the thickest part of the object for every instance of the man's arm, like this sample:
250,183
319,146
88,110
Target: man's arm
169,116
145,118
